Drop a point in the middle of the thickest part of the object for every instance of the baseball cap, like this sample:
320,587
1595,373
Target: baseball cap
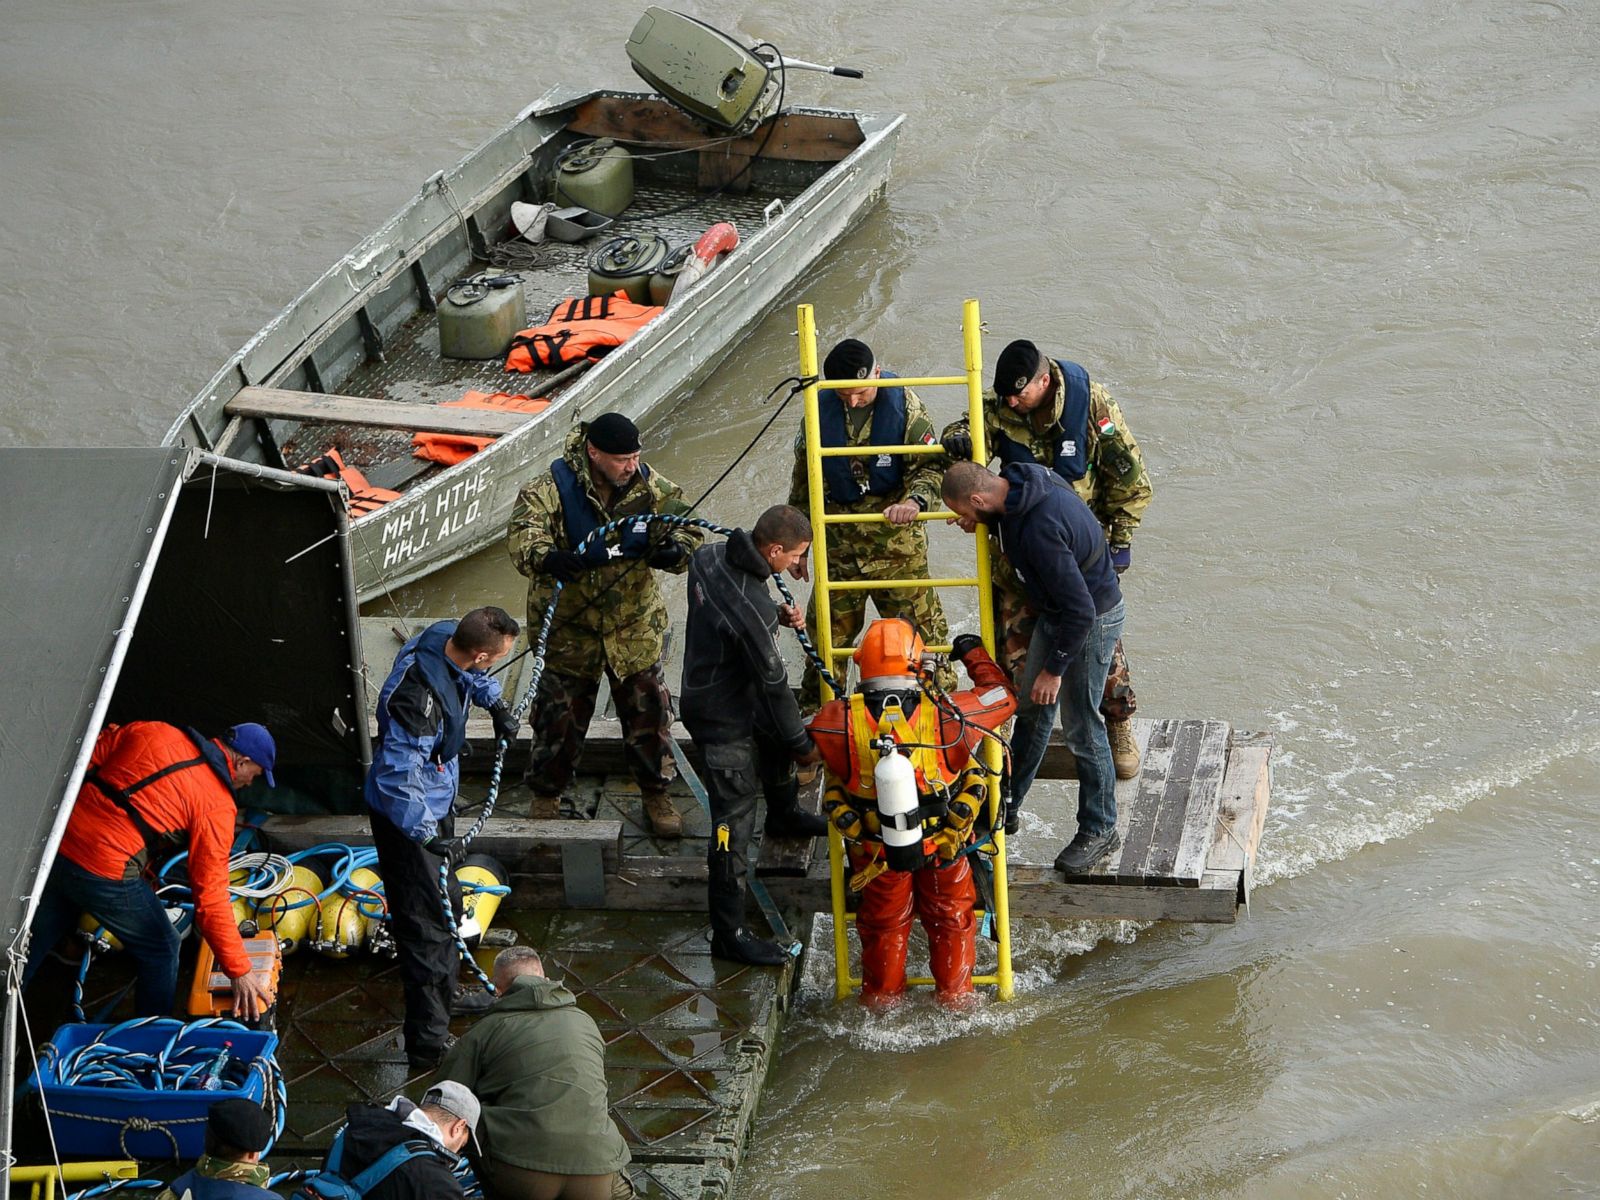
457,1100
255,743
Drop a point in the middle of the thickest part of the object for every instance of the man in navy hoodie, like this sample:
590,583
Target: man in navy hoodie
1058,550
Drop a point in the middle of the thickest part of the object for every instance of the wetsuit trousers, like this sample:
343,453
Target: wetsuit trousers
430,964
736,773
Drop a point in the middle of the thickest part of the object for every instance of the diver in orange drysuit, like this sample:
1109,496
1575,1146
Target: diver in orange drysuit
951,788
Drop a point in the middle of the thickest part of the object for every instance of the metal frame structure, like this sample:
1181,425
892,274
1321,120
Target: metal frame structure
810,369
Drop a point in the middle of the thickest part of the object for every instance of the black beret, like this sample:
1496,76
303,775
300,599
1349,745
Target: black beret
850,359
242,1124
613,433
1015,368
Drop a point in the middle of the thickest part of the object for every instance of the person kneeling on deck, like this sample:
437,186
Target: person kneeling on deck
238,1132
934,823
152,788
898,487
609,617
738,708
402,1151
537,1062
1058,551
410,793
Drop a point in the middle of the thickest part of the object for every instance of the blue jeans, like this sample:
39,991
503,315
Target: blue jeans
1082,727
129,909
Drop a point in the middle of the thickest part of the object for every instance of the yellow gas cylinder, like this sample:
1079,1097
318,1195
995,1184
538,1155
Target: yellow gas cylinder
343,922
96,933
477,871
292,912
243,907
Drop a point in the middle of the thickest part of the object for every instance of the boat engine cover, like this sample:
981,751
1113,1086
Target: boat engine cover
702,70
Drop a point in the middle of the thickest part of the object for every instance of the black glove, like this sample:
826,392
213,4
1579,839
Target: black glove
451,849
564,565
965,645
505,725
957,445
1121,558
667,555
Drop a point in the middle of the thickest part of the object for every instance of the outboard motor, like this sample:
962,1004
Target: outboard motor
709,74
896,783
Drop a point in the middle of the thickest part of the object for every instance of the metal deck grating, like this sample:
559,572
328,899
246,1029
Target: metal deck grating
413,372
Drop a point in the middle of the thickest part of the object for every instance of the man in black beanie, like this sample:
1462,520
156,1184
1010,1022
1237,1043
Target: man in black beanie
900,487
610,616
1048,411
238,1132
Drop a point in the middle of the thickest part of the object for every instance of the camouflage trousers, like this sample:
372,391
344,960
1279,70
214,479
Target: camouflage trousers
1014,620
848,613
560,718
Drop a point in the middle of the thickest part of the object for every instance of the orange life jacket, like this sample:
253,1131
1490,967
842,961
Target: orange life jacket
451,448
364,498
583,327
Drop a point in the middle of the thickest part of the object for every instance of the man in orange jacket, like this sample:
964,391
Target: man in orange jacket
151,788
941,739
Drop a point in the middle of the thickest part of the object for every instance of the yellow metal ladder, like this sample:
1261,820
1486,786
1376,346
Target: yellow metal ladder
844,982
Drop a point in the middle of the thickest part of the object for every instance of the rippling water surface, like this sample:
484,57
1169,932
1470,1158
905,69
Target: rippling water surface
1338,264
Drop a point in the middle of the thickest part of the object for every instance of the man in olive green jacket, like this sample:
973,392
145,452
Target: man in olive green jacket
610,616
536,1062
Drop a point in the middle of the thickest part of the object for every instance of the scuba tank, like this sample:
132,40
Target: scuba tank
896,784
596,175
666,276
477,872
626,263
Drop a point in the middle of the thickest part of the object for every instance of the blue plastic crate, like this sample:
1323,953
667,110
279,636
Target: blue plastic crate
99,1122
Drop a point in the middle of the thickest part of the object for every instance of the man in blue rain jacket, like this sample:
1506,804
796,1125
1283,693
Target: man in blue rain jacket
410,793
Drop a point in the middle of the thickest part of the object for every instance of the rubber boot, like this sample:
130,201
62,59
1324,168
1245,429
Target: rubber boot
664,819
730,940
1124,750
785,817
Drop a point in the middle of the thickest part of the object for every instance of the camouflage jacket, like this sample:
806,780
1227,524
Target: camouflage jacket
1116,486
609,616
254,1174
882,550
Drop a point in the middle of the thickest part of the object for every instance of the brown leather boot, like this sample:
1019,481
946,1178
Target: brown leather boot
1124,750
664,819
545,808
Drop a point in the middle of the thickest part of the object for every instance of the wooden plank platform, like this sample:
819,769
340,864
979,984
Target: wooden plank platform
1191,823
279,405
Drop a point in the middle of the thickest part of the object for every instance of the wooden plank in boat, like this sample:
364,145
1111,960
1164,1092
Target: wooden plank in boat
281,405
798,137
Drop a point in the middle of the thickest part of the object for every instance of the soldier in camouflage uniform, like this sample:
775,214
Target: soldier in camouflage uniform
610,616
898,487
1050,412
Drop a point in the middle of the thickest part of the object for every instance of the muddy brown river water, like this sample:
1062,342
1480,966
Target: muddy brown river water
1338,264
